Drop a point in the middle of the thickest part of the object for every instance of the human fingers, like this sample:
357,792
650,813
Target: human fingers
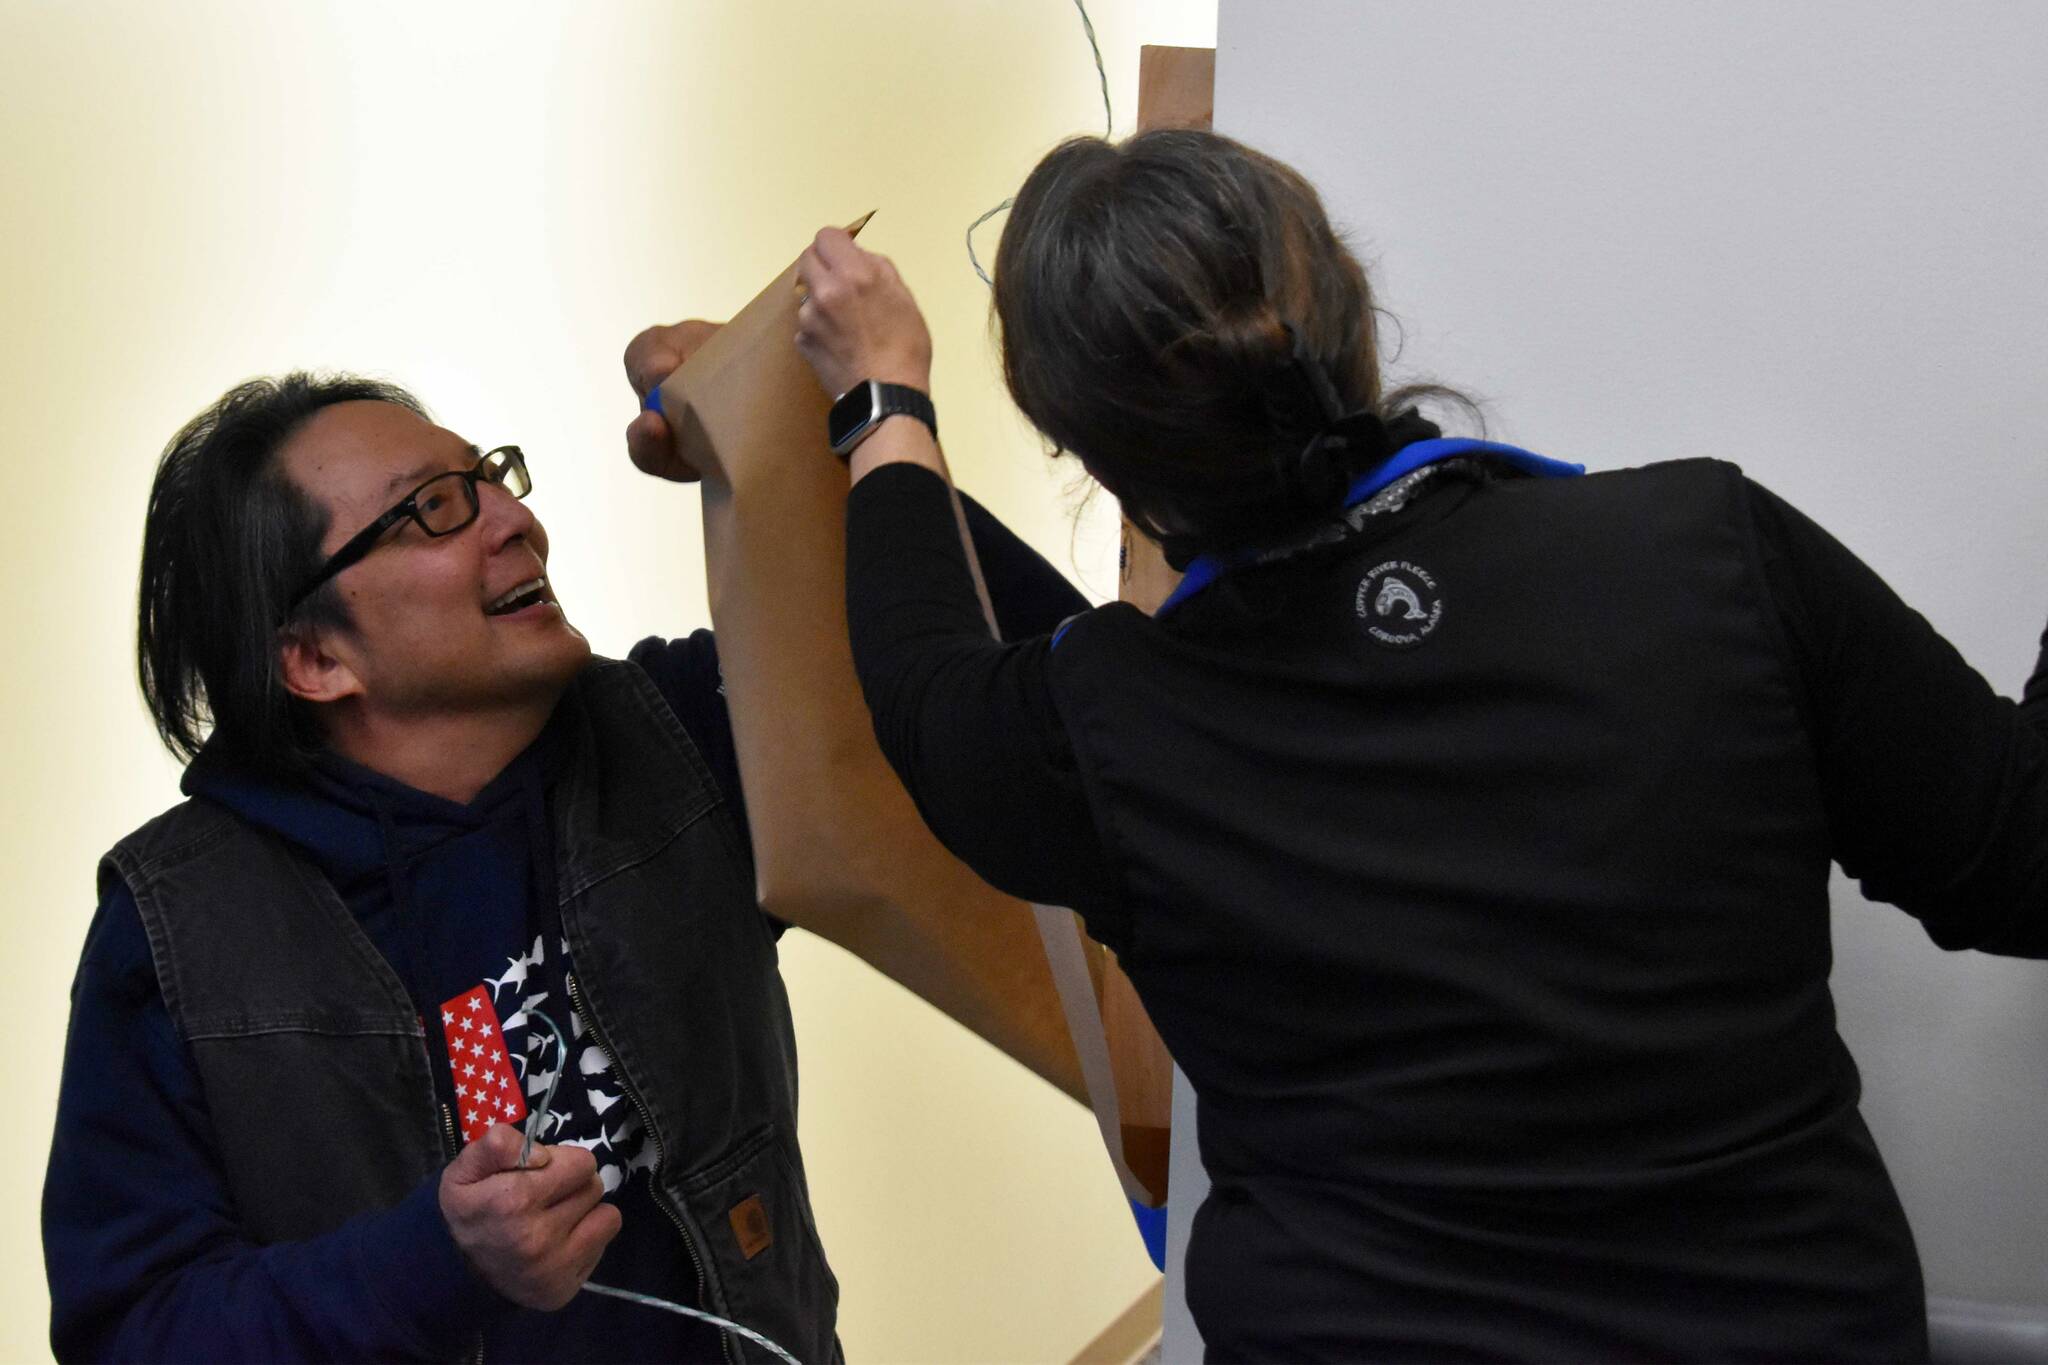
650,443
649,430
836,248
571,1257
816,322
657,352
649,359
591,1235
812,275
495,1152
827,365
570,1179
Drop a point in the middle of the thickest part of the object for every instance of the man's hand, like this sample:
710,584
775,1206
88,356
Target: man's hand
650,358
533,1234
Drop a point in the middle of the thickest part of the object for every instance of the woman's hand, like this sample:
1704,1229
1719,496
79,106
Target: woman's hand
858,320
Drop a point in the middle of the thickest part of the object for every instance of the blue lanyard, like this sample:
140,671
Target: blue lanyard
1206,569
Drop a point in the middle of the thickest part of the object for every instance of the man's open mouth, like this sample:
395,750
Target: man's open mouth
527,594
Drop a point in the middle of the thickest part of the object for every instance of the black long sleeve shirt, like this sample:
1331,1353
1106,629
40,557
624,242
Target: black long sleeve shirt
971,725
1498,962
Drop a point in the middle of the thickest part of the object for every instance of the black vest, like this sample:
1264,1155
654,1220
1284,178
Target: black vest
290,1011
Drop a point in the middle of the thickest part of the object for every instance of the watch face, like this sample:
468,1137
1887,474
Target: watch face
854,410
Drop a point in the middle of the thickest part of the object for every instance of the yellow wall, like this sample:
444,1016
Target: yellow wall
484,203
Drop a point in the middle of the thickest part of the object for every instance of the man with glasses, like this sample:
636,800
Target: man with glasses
443,879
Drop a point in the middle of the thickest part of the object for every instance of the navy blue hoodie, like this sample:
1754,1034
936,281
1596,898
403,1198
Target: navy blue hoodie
143,1250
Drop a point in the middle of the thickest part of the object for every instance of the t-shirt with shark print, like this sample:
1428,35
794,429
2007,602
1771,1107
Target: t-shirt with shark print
550,1058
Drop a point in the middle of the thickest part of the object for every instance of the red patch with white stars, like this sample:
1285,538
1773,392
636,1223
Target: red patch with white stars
486,1090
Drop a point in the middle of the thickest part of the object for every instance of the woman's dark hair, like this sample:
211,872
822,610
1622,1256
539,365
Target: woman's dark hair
1154,296
227,539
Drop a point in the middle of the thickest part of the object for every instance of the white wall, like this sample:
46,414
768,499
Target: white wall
1808,238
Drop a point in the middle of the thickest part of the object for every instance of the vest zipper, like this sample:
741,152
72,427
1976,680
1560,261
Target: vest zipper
451,1145
647,1122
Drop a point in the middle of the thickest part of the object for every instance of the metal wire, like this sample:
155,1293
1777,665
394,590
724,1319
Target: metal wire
712,1318
974,260
533,1122
547,1102
1108,126
1088,27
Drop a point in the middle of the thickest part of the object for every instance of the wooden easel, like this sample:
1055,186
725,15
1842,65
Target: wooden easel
1176,89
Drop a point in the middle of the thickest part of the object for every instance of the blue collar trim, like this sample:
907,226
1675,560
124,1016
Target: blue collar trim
1206,569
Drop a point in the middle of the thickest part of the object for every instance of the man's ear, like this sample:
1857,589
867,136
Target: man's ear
310,672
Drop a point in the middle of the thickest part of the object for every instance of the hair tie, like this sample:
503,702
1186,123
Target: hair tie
1319,472
1313,379
1312,479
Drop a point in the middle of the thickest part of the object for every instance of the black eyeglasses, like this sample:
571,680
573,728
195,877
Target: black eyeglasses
435,507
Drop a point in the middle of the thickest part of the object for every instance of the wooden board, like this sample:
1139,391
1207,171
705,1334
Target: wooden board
839,849
1176,89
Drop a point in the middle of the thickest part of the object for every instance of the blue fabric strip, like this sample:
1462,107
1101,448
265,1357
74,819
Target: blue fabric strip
1206,569
652,402
1152,1227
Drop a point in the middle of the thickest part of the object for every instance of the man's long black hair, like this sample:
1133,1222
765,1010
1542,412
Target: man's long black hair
226,540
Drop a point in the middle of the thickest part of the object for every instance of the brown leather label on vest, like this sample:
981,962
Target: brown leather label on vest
749,1219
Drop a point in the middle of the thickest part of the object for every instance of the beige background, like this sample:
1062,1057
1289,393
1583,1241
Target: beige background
484,202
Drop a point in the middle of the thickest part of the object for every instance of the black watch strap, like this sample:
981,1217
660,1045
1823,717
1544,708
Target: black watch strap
858,411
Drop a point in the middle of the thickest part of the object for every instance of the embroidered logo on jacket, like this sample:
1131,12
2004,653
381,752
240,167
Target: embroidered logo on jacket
1399,603
750,1226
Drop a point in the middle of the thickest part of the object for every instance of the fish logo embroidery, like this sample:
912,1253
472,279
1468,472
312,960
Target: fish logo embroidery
1399,603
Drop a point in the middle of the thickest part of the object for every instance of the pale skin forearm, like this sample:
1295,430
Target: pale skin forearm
898,439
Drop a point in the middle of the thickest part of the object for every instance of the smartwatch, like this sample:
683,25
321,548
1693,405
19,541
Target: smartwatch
858,411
